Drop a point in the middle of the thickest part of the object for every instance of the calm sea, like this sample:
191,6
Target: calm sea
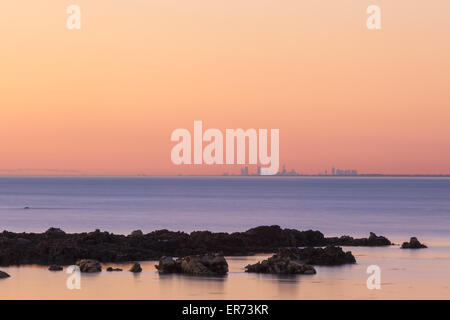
395,207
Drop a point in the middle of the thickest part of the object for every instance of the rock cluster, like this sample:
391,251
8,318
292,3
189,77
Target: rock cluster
59,248
413,244
197,265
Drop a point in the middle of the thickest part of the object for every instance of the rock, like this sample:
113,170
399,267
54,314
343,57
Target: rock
136,233
55,267
198,265
4,275
281,263
26,208
413,244
136,268
372,241
89,265
55,232
111,269
167,265
329,256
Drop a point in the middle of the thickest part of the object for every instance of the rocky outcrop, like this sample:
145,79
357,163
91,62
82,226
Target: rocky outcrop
136,268
372,241
413,244
60,248
281,263
328,256
55,267
89,265
111,269
4,275
197,265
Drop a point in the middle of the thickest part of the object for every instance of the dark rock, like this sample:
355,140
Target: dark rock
372,241
136,268
4,275
55,232
329,256
136,233
26,208
413,244
89,265
281,263
111,269
55,267
197,265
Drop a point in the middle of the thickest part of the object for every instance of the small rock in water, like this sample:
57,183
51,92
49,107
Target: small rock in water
55,267
198,265
26,208
136,268
4,275
111,269
89,266
413,244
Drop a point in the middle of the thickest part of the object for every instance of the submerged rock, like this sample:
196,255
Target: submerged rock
89,265
281,263
111,269
413,244
55,267
136,268
198,265
4,275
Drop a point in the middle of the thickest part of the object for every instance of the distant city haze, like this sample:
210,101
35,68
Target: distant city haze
105,99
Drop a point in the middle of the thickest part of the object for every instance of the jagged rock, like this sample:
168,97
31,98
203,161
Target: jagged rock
136,268
198,265
89,265
328,256
372,241
168,265
413,244
136,233
4,275
111,269
281,263
55,267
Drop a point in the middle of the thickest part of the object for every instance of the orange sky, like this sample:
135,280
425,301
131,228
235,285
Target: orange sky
105,99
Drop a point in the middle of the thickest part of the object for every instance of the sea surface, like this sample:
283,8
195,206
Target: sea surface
394,207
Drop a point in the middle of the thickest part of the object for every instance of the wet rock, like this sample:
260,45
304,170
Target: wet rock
281,263
89,265
111,269
4,275
136,268
197,265
413,244
168,265
55,267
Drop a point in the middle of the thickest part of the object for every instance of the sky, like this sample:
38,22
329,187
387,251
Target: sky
105,99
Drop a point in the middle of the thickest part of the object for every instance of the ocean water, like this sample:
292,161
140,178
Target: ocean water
395,207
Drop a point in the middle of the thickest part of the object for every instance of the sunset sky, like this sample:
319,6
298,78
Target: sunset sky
105,99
